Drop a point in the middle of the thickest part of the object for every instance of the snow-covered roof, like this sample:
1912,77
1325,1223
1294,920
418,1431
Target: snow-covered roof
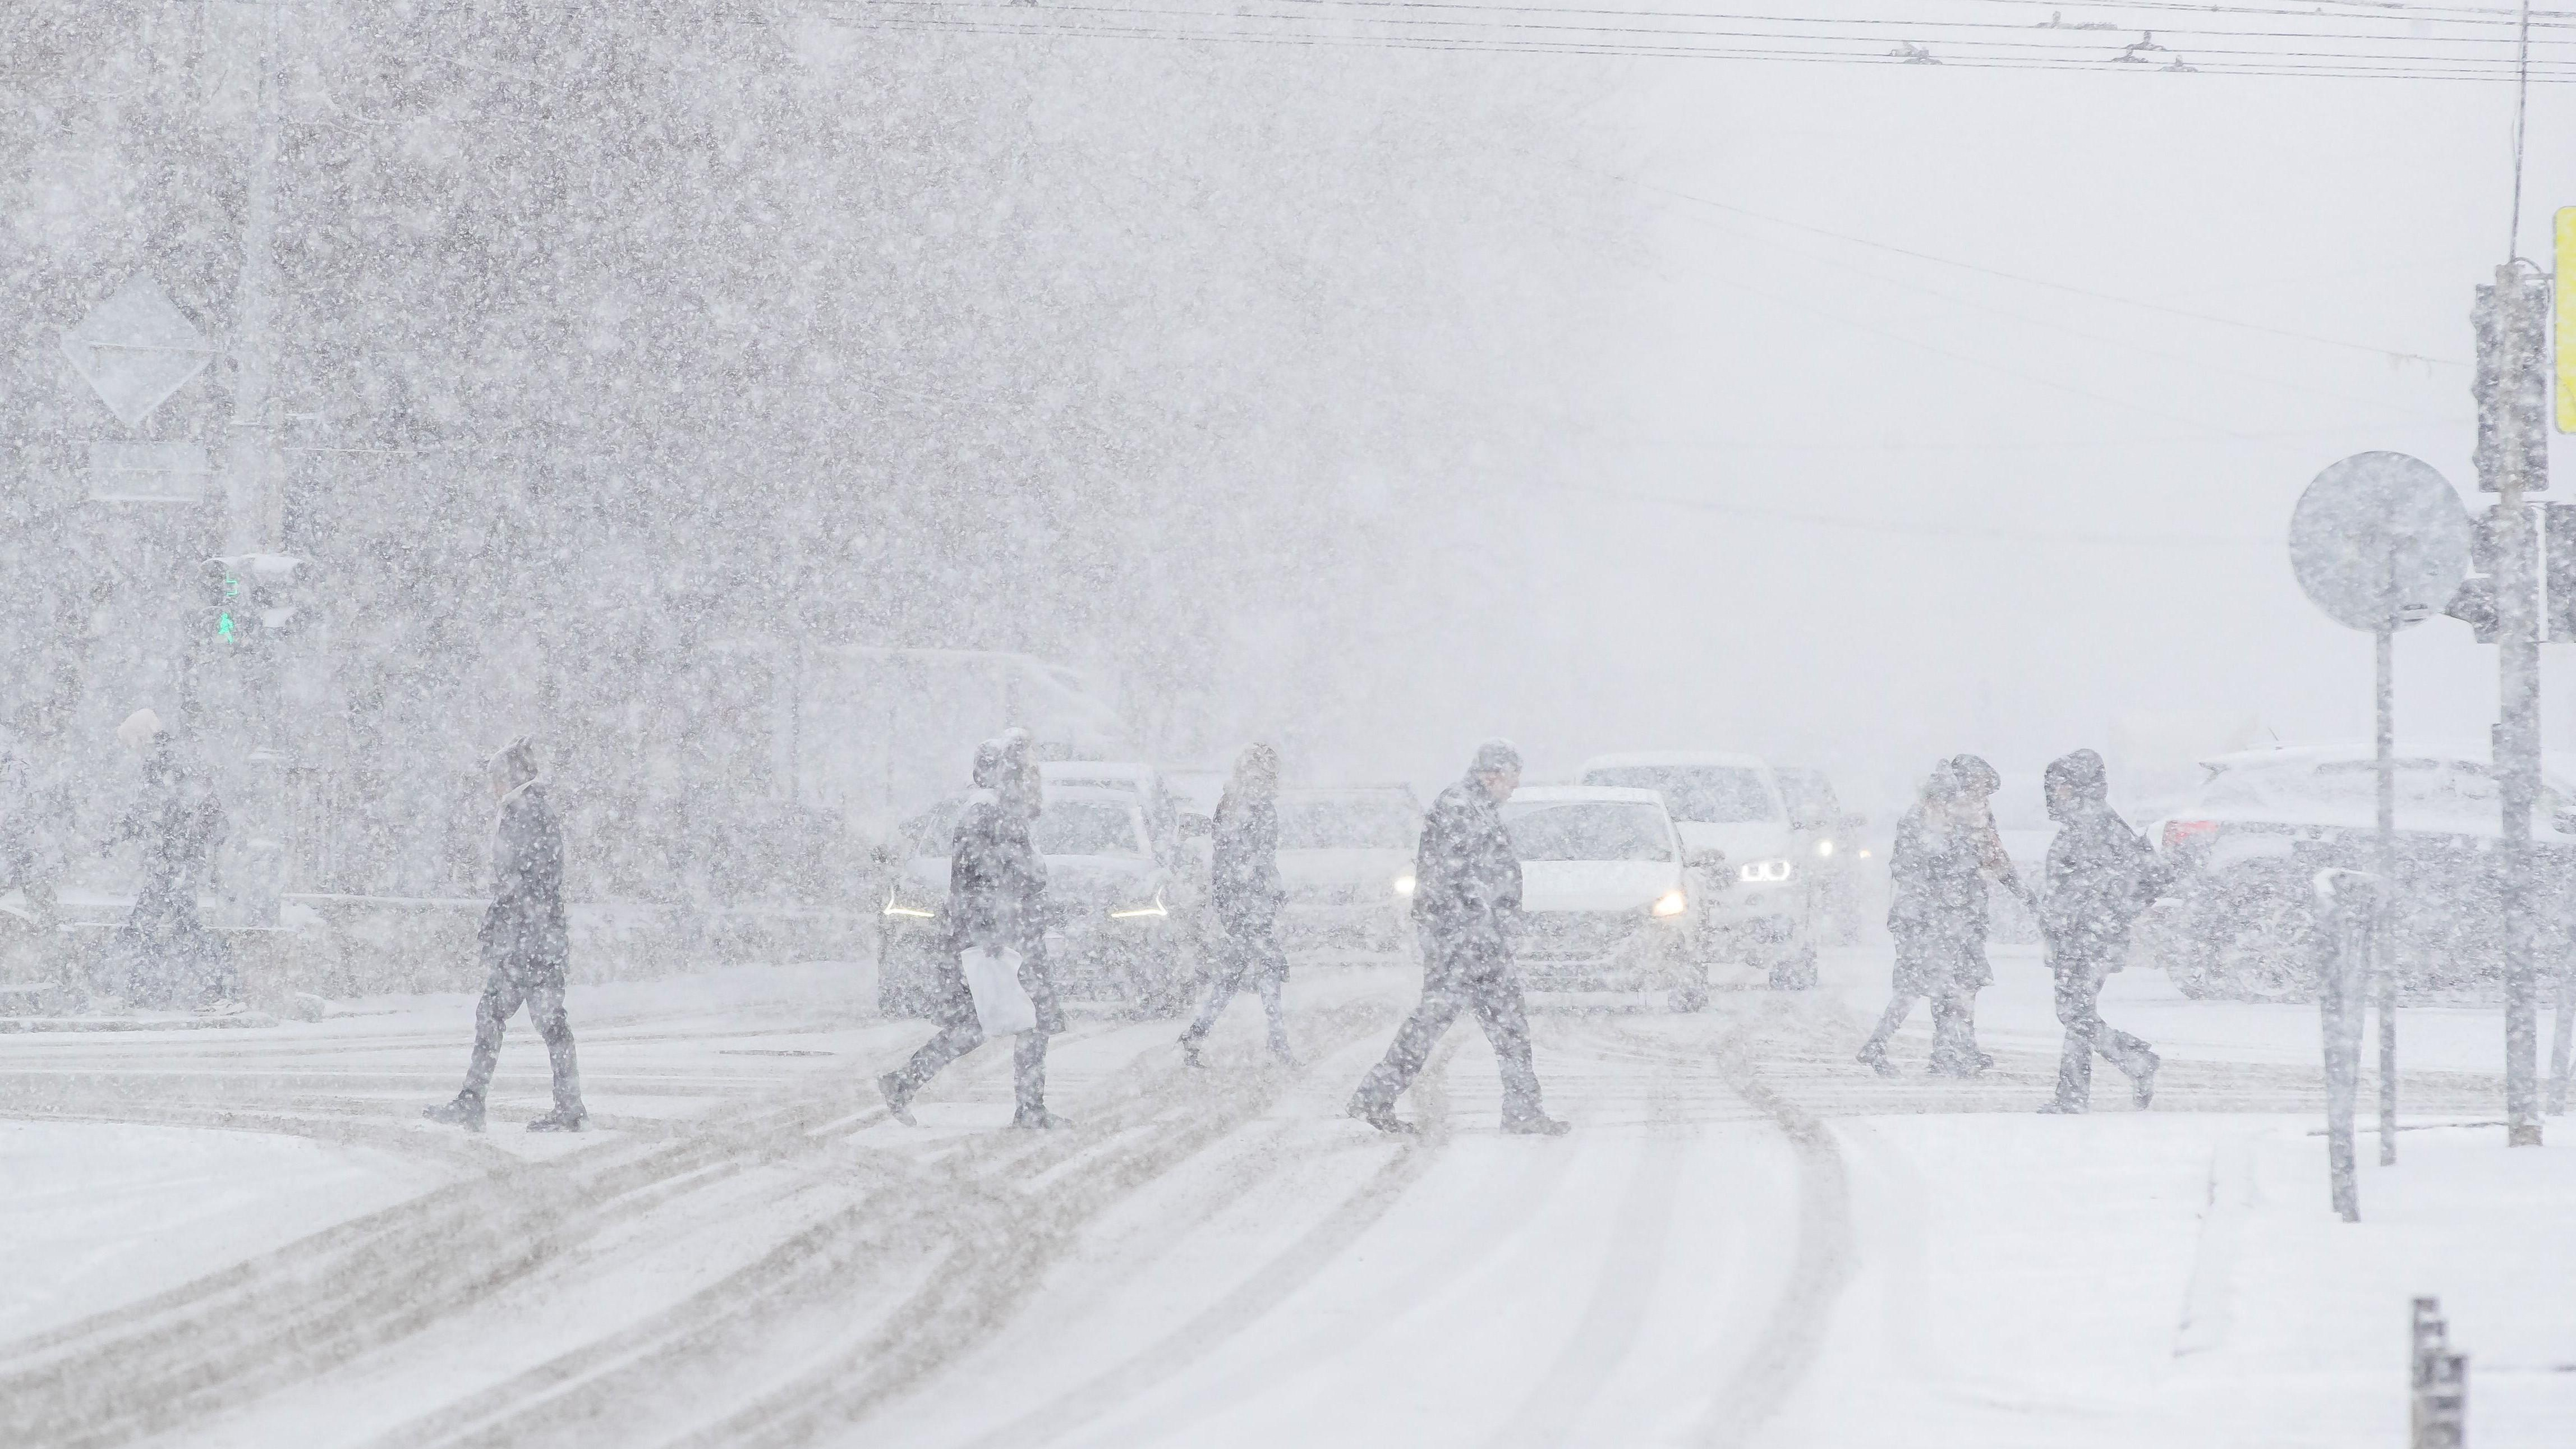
1672,757
1553,794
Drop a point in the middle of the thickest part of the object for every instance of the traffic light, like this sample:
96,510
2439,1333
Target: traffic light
253,598
2558,573
2475,603
2511,385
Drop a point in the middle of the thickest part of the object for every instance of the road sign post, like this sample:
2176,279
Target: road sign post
2380,541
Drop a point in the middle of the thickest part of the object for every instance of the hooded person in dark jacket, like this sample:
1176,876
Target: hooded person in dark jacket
163,953
1467,906
1245,892
2101,878
525,941
996,902
1946,849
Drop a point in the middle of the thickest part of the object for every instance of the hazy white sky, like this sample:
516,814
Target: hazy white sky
1776,369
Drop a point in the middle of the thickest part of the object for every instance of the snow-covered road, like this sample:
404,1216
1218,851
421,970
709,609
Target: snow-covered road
1749,1239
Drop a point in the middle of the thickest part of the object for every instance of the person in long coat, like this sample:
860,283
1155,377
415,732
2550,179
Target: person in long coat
2101,878
1244,895
1467,905
996,902
1930,868
163,953
525,942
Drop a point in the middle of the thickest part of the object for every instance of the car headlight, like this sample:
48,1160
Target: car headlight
1670,904
895,906
1404,885
1151,908
1764,872
1824,847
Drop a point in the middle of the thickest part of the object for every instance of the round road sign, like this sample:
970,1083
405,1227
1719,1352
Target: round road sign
2379,540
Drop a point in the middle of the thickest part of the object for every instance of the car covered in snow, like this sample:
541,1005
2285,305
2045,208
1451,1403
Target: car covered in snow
1111,931
1827,844
1753,905
1606,899
2242,919
1346,860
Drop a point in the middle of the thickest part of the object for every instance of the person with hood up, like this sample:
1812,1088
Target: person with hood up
996,902
525,942
1467,906
163,952
1245,892
1946,846
2101,878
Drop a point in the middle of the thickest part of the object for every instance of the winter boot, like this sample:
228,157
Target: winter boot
1190,1052
1535,1124
1873,1055
1381,1117
465,1111
561,1119
2060,1107
898,1101
2142,1087
1040,1120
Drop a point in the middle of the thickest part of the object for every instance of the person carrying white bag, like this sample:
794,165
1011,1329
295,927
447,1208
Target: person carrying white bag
994,982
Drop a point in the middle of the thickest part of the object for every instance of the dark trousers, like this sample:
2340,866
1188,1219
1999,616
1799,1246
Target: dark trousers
1458,977
505,990
960,1033
1245,949
1028,1062
2079,1010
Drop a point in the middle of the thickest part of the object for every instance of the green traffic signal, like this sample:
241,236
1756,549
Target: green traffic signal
223,615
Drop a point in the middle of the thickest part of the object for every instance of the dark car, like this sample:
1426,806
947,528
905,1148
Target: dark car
2242,921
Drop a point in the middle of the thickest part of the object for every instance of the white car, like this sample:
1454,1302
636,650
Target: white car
1606,896
1346,858
1756,908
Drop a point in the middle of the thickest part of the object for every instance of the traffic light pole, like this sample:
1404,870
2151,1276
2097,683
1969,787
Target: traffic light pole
2512,449
2383,935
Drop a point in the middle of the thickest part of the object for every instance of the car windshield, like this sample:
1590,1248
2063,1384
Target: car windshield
1697,794
1588,830
1354,823
1810,798
1087,827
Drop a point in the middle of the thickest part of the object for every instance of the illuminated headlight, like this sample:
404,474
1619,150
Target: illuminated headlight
1153,907
1864,855
1670,904
1404,885
1764,872
1824,847
894,906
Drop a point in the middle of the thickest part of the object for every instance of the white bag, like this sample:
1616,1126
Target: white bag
1002,1004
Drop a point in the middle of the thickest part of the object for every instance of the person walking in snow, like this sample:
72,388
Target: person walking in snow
996,902
1245,892
1954,997
2101,878
1467,906
525,942
163,953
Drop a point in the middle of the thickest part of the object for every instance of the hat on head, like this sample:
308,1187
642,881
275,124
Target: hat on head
515,762
138,732
1495,755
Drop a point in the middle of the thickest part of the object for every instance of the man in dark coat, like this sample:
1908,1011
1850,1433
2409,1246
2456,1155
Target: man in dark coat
996,902
163,954
1946,849
525,942
1245,892
2101,878
1467,905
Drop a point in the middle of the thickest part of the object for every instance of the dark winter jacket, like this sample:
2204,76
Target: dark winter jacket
1467,879
180,822
1244,884
996,883
1937,880
524,929
2101,876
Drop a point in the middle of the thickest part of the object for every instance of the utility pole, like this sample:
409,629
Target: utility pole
252,502
2512,394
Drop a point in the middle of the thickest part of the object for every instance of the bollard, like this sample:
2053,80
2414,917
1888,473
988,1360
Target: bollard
2348,902
2439,1418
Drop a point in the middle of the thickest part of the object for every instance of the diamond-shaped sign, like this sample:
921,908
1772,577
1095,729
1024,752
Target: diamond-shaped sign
136,348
